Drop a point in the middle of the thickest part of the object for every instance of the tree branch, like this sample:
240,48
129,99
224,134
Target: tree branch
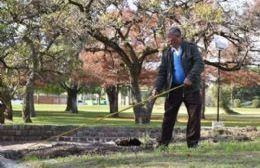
80,6
64,86
98,35
96,49
12,67
146,52
52,71
51,42
132,52
217,65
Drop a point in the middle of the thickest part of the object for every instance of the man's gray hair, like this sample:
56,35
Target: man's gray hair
175,31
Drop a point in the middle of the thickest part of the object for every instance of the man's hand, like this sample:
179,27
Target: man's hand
154,92
187,82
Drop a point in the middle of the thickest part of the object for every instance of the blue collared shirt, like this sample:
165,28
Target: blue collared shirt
178,72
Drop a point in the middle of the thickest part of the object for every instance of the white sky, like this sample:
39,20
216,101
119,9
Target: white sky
131,4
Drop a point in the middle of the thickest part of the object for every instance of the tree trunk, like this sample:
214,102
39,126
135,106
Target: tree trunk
72,106
2,117
31,100
28,105
9,108
129,96
203,99
142,114
99,98
112,92
232,94
149,106
6,101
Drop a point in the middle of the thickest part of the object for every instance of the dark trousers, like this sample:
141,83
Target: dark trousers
173,102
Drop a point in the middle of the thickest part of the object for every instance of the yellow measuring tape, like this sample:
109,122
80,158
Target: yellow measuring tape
109,115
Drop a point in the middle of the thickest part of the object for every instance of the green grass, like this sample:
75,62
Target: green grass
224,154
55,115
208,155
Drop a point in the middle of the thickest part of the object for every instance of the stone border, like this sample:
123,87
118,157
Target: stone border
16,133
22,133
26,133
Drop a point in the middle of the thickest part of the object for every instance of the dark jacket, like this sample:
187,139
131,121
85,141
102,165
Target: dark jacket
192,65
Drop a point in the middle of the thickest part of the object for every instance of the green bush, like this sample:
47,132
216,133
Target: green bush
256,103
212,95
225,93
237,103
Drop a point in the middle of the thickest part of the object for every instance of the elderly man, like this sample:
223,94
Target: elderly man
181,64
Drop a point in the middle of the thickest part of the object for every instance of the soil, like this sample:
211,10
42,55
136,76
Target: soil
46,150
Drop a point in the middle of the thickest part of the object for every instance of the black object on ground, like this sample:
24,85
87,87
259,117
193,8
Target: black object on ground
128,142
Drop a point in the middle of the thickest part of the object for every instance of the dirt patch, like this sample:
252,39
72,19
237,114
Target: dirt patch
62,149
65,149
221,134
230,134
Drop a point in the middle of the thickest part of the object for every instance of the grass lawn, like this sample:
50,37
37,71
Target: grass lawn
208,155
54,114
